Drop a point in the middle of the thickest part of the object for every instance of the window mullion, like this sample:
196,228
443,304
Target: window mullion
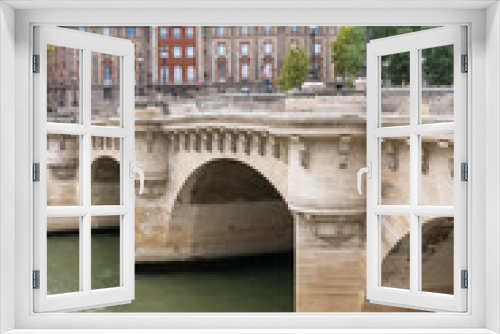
414,171
85,246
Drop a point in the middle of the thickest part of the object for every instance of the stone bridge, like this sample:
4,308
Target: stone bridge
232,183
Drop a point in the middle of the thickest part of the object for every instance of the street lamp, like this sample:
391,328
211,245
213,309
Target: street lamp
73,84
312,81
313,75
140,88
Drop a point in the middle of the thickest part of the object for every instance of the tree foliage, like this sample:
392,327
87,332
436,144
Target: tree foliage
349,51
294,69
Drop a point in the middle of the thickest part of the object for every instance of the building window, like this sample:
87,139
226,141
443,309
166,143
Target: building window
317,30
107,75
267,30
105,31
269,70
164,51
222,49
244,71
295,29
130,31
163,33
177,51
244,31
164,74
177,74
268,48
190,73
190,51
189,33
317,48
222,73
221,31
177,33
244,49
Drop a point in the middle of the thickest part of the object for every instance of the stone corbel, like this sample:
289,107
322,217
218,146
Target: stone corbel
182,140
205,142
228,141
242,139
255,144
302,148
270,145
176,136
187,141
345,148
216,140
335,230
149,141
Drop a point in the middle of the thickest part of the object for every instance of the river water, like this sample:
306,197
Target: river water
245,284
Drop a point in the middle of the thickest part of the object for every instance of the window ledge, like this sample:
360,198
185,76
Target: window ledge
251,331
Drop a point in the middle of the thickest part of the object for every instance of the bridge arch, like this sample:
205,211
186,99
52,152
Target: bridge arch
105,180
227,208
437,258
184,167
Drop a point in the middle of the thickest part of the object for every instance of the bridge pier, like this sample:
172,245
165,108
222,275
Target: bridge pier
330,253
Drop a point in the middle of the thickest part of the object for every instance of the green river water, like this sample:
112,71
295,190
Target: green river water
245,284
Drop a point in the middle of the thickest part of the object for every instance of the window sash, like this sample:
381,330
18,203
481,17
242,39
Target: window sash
86,297
414,298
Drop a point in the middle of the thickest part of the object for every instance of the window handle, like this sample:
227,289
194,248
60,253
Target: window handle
139,171
368,171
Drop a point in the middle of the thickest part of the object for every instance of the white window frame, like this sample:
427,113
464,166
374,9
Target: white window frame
484,212
412,44
124,50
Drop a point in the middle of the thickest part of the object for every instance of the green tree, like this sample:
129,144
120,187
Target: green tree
348,51
294,69
348,55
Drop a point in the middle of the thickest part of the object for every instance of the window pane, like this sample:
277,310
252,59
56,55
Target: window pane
105,170
395,251
177,51
177,33
395,89
178,74
437,169
395,171
63,181
105,100
63,255
437,254
163,33
437,85
63,84
105,252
